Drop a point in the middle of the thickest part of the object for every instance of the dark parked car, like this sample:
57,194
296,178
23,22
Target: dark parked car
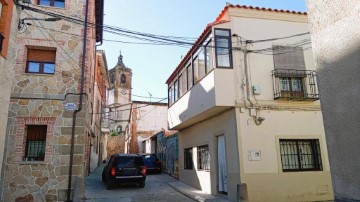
152,163
124,168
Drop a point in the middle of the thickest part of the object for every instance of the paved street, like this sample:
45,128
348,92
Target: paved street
156,189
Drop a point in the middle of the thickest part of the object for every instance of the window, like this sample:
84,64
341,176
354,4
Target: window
189,76
291,87
208,57
122,78
112,78
199,65
35,142
223,48
188,161
54,3
182,83
41,61
171,95
300,155
6,9
203,157
176,90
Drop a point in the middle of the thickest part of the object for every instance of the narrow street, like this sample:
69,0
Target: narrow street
156,189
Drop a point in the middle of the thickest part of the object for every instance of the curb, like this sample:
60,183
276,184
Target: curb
194,197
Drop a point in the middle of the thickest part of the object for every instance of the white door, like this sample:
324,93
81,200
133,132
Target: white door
222,168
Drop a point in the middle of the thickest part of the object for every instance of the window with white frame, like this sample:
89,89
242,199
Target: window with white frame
300,155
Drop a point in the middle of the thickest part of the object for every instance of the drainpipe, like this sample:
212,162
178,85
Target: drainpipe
80,103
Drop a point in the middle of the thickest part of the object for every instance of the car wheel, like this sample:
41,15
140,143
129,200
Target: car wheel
142,184
103,178
108,186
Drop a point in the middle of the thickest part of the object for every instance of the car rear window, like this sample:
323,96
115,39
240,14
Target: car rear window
149,158
128,161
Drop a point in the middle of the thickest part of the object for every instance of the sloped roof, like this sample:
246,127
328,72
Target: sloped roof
219,21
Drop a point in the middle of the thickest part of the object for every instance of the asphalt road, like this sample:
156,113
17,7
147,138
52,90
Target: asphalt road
156,189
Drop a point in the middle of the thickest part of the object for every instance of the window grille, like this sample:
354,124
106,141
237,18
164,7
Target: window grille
300,155
203,157
35,142
188,161
292,84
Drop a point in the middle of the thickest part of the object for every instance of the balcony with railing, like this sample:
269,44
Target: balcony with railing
291,84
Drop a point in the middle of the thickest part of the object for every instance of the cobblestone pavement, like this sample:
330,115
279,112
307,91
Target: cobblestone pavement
156,190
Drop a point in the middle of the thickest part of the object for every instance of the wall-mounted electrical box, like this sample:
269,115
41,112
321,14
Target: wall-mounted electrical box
254,155
256,89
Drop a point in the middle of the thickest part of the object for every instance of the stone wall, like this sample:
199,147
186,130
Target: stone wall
39,99
115,145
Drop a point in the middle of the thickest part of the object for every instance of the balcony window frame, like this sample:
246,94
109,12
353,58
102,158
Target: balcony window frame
295,148
229,46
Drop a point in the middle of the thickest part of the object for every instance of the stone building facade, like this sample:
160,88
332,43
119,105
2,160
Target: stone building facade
46,81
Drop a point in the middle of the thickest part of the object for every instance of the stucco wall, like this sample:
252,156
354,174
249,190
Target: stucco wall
205,133
334,26
265,179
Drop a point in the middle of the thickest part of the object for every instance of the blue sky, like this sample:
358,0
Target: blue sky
153,64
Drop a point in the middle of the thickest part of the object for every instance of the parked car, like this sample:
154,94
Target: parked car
124,168
152,163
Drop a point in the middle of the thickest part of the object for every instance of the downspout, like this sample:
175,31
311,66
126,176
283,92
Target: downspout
80,102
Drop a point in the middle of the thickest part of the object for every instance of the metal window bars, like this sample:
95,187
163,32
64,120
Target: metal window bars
293,84
35,143
203,157
300,155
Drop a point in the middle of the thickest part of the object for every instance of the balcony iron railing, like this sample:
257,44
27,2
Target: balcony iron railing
291,84
1,41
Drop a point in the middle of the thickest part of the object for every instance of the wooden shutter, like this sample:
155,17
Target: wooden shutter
36,132
39,55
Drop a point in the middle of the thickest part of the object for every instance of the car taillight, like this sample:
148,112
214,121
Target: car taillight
113,171
157,162
143,170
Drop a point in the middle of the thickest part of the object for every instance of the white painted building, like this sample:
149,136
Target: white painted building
245,102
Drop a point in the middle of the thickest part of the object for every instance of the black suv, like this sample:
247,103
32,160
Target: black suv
124,168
